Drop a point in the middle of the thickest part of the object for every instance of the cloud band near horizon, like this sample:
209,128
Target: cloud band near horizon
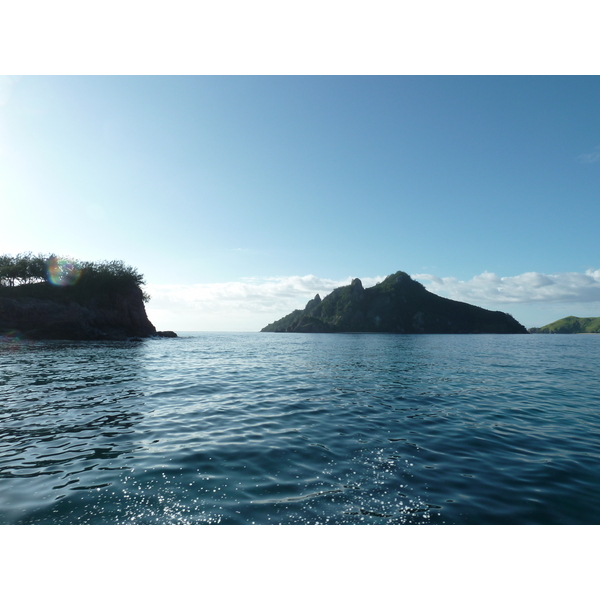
525,288
252,303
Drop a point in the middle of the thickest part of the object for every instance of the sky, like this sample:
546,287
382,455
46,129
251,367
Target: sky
241,197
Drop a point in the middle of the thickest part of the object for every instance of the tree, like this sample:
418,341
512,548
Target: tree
95,277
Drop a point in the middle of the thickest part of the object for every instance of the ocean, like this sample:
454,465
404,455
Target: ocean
266,428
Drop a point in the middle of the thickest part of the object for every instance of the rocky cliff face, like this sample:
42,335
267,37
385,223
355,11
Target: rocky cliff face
43,313
396,305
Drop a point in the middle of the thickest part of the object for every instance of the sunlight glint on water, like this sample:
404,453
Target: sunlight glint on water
301,429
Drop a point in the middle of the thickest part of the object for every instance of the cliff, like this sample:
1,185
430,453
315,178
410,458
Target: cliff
41,311
396,305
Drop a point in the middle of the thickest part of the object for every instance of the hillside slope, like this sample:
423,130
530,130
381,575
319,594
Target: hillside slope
396,305
570,325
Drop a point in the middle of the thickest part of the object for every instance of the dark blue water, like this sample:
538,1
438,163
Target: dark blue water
302,428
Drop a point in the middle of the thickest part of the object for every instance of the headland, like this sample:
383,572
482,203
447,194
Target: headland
396,305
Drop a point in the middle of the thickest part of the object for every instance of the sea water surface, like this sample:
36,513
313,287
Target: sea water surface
259,428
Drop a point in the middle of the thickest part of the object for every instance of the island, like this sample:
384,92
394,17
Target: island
53,298
398,304
570,325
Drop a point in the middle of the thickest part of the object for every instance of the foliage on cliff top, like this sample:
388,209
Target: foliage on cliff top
48,276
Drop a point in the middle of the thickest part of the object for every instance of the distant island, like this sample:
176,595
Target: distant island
48,297
570,325
396,305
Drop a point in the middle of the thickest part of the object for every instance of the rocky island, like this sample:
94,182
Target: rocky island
396,305
51,298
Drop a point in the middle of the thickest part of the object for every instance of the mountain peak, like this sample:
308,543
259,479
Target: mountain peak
398,304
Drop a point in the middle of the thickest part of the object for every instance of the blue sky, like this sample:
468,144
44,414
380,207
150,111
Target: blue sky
240,197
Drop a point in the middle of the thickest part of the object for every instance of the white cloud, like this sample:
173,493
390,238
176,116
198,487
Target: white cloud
249,304
590,157
525,288
252,303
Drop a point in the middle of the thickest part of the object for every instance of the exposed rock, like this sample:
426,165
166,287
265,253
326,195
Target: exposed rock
396,305
40,312
313,303
168,334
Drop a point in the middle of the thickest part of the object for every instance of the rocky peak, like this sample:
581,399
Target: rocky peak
398,304
313,303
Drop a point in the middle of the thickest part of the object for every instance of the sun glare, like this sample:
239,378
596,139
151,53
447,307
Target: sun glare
63,271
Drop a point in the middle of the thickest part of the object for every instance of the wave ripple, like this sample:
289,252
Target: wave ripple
301,429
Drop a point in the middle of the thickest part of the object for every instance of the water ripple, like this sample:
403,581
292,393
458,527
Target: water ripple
301,429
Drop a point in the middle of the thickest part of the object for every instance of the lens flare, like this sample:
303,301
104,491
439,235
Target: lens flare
63,271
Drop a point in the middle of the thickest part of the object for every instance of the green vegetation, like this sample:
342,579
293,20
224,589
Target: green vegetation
570,325
22,269
396,305
51,277
56,298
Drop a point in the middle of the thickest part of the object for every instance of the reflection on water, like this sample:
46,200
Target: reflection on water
272,428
